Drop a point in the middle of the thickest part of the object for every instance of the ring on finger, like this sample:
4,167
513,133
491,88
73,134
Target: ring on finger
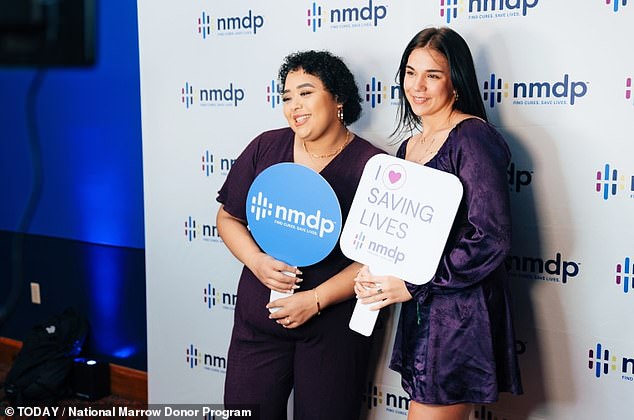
288,320
379,291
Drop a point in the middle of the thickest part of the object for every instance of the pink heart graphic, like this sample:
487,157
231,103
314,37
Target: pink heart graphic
394,177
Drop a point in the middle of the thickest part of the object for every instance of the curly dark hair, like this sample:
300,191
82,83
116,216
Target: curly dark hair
333,73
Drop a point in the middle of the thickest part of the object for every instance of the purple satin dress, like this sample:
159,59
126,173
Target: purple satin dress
455,341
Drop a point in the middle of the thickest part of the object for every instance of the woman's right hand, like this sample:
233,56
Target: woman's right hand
275,274
380,290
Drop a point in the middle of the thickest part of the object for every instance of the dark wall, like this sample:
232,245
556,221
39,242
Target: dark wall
105,283
70,151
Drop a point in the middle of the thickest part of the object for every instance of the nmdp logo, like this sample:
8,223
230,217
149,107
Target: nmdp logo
562,92
196,358
187,95
369,14
374,397
608,182
377,92
228,95
449,9
293,214
273,94
213,297
600,361
246,24
205,232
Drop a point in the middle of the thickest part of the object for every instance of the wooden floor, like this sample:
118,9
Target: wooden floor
127,386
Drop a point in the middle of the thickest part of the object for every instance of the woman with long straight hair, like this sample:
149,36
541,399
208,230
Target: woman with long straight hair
455,343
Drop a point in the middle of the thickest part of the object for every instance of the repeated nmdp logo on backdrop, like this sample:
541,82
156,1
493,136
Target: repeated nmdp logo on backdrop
374,397
615,4
197,359
354,15
625,274
602,362
199,231
214,165
245,23
555,270
565,91
273,94
187,95
451,10
215,298
610,183
518,178
378,93
227,95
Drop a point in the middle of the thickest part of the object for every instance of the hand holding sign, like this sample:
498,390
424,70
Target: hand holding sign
398,224
293,215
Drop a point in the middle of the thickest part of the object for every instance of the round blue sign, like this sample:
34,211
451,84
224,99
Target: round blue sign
293,214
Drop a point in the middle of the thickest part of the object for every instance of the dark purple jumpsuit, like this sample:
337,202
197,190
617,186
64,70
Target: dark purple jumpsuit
323,360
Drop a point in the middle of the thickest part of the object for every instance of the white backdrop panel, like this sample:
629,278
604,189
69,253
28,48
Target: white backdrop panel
556,77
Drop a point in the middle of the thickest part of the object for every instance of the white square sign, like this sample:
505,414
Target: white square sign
399,220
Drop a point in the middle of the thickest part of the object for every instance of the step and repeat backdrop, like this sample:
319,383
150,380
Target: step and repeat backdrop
556,78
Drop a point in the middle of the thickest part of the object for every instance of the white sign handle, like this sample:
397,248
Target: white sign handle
363,318
275,295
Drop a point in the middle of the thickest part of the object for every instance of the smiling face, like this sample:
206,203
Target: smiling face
427,83
311,111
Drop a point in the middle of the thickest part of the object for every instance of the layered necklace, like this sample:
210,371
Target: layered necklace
331,154
427,144
429,141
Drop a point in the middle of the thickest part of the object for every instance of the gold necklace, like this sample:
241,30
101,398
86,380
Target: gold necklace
423,139
327,155
422,142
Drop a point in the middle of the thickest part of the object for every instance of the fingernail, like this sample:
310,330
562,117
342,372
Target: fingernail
296,286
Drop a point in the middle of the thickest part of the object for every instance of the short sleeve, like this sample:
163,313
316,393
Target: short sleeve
267,149
233,193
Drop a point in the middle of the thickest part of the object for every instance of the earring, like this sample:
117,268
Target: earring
455,96
340,113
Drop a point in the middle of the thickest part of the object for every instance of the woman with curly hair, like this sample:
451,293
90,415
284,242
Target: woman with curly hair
305,345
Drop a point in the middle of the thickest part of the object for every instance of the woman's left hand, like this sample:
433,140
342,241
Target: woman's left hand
294,310
382,290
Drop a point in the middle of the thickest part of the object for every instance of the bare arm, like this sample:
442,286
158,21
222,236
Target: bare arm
302,306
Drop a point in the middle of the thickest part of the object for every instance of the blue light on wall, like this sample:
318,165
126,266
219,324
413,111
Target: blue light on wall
86,236
89,126
111,315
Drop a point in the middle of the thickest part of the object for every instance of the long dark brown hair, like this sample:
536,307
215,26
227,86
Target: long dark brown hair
463,76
